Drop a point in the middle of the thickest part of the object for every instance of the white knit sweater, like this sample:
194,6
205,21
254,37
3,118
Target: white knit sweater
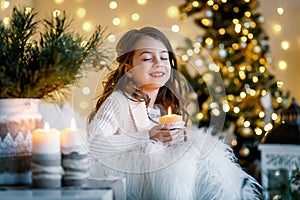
202,168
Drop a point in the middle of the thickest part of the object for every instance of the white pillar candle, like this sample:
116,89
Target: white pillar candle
72,139
74,156
46,158
46,140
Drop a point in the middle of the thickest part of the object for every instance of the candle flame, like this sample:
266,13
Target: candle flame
47,127
73,124
169,111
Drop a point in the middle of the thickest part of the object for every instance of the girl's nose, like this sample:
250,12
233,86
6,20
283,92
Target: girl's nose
158,62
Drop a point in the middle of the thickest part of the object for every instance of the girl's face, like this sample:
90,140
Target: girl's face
151,67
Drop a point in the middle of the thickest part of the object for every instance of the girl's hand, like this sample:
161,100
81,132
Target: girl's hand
165,135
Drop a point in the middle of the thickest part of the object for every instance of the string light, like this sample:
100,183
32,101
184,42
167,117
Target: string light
81,12
282,65
116,21
4,4
59,1
141,2
87,26
285,45
172,11
280,10
113,5
175,28
135,16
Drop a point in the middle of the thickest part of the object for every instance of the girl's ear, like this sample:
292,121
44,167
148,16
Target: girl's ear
128,71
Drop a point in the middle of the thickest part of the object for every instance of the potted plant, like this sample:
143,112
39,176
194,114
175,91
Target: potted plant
36,65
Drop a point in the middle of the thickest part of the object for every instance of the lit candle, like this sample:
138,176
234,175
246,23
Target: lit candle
46,158
74,156
170,117
46,140
72,139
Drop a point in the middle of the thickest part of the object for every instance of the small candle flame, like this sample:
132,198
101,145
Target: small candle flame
73,124
47,127
169,111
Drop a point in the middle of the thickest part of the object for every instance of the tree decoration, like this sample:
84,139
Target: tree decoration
232,32
36,65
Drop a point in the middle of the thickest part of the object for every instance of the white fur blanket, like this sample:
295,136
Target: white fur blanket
202,168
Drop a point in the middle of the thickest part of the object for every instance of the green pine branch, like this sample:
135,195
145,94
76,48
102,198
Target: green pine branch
37,68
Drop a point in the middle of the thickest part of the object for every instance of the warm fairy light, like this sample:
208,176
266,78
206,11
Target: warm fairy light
216,7
276,28
243,95
233,143
262,69
190,52
87,26
81,12
175,28
279,84
196,50
195,4
279,99
172,11
205,22
280,10
285,45
252,92
113,5
258,131
6,21
247,14
210,2
226,107
213,67
282,65
263,92
274,116
56,13
199,116
242,75
184,57
86,90
209,41
261,114
235,21
246,124
84,104
236,109
268,127
230,97
198,62
135,16
215,112
141,2
231,69
236,9
255,79
59,1
116,21
4,4
112,38
222,31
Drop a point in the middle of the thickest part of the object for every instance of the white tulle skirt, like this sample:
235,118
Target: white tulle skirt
202,168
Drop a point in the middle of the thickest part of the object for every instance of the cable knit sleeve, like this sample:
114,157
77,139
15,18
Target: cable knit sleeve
106,135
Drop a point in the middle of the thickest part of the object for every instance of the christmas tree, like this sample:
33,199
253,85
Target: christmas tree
232,32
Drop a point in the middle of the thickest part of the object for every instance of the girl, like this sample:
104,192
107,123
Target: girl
159,161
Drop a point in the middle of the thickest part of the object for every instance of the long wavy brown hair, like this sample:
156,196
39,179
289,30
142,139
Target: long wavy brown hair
169,95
